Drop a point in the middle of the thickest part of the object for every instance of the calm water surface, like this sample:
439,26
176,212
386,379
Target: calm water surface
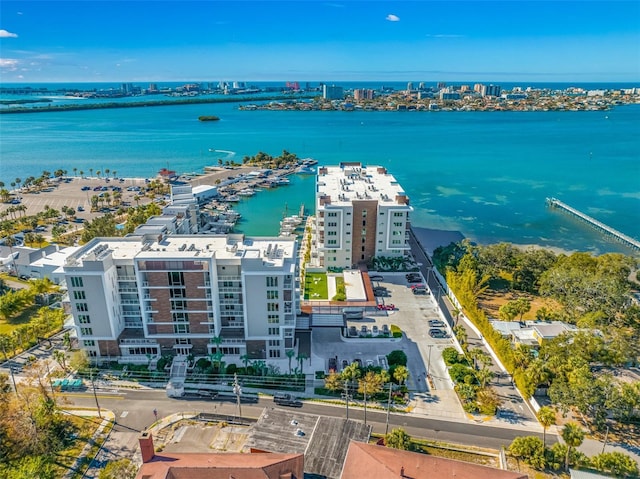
486,174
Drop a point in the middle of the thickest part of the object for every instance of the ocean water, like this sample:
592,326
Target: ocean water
486,174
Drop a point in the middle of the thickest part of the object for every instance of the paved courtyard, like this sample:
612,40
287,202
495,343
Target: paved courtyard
423,352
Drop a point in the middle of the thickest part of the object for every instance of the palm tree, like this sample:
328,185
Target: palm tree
114,173
290,353
573,435
547,417
90,171
401,374
301,357
245,360
81,173
98,173
75,171
106,172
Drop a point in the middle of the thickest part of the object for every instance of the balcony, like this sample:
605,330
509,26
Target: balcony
135,341
126,278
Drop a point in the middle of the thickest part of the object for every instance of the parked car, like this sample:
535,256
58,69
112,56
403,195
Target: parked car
85,188
376,277
436,323
437,333
412,275
284,399
80,208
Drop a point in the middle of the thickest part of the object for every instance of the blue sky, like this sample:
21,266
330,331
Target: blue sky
50,41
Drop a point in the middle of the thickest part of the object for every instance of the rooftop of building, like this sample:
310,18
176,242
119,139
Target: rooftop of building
323,440
370,460
350,182
272,250
217,466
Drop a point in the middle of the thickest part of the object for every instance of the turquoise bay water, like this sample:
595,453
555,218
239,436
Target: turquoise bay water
486,174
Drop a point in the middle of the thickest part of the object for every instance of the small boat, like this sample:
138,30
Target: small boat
232,199
246,192
306,170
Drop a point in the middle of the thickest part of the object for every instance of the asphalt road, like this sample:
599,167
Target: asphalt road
134,413
513,407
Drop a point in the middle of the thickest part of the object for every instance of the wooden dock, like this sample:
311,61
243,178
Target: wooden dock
601,227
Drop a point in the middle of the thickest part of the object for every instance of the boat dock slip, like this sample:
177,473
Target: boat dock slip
607,230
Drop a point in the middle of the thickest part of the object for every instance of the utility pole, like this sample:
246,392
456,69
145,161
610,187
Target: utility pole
346,396
238,391
429,362
386,428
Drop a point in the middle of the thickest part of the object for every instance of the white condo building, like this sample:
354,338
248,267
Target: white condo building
139,297
361,212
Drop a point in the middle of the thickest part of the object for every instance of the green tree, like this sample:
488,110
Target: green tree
530,449
333,381
617,463
120,469
398,439
518,307
401,374
547,418
397,357
573,436
290,353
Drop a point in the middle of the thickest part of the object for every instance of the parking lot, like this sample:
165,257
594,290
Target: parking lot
411,314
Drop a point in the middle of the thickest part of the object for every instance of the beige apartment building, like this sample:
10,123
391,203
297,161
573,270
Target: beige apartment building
361,212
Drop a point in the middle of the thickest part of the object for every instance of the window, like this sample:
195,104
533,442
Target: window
364,213
273,318
178,292
332,233
181,328
332,214
398,214
274,353
397,224
83,319
83,307
274,343
364,240
363,248
332,242
180,317
364,232
273,307
88,343
79,295
176,278
272,294
178,304
86,331
364,222
332,224
272,281
274,331
76,282
396,233
92,354
396,242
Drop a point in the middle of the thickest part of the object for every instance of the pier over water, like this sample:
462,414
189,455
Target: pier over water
606,230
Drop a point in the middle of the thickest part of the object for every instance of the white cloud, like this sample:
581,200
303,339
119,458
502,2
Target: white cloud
392,18
443,35
6,34
9,64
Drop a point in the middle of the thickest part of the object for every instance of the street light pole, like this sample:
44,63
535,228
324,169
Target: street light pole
429,362
237,390
346,396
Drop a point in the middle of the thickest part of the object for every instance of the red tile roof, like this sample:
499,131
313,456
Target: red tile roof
380,462
223,466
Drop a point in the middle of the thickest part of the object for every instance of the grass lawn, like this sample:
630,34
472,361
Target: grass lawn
86,427
493,298
315,286
7,327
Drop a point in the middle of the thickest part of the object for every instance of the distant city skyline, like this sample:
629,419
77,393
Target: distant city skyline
508,41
